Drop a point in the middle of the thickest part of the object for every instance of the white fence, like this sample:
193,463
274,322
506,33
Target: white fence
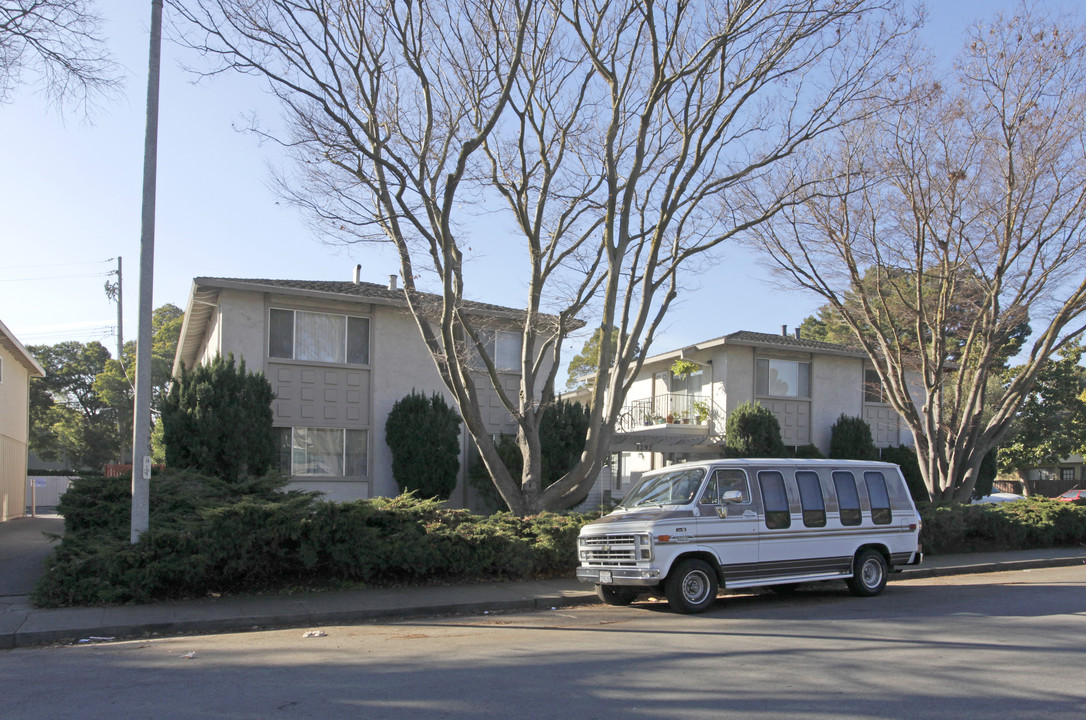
44,491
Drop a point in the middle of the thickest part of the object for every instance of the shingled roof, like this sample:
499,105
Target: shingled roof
364,291
205,297
746,337
767,340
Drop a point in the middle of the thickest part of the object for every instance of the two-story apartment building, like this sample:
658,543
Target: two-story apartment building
17,367
338,355
673,416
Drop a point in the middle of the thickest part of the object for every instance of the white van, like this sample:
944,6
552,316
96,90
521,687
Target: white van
686,530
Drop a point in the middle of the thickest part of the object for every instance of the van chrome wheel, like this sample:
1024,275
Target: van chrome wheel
691,586
868,574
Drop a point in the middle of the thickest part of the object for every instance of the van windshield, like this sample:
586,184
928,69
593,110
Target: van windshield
678,487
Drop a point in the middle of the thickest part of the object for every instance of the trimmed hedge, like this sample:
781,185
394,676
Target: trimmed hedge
206,536
1019,525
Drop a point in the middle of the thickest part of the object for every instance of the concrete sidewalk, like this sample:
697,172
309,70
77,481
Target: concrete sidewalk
23,625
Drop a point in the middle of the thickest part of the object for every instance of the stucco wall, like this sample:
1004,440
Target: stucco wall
401,363
345,396
14,427
836,388
738,377
241,327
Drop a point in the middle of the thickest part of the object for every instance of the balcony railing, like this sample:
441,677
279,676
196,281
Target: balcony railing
666,408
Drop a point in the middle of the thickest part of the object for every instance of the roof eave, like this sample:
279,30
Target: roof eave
12,345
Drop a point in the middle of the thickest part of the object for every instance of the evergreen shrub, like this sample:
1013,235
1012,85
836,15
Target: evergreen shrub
207,536
850,439
1018,525
217,421
423,435
752,430
563,428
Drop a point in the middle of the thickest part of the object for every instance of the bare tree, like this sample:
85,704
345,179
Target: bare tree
59,42
618,135
950,224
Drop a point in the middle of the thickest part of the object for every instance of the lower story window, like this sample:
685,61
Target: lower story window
323,452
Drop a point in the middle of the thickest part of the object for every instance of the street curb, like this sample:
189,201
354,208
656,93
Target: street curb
300,617
921,572
119,632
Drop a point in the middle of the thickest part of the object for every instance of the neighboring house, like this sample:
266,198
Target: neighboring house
17,367
1049,481
808,384
338,355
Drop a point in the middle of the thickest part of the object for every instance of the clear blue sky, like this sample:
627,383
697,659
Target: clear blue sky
70,203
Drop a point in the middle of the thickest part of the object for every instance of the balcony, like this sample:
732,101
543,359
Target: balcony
668,409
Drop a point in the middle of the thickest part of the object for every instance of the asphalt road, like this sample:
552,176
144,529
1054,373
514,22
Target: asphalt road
1001,645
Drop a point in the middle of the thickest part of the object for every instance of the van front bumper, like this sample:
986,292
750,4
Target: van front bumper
638,577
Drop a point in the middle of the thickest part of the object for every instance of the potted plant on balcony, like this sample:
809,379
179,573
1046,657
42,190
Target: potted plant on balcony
701,411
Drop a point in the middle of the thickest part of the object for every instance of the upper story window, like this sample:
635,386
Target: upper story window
503,348
318,337
776,377
873,390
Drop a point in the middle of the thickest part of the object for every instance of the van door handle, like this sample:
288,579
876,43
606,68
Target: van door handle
749,514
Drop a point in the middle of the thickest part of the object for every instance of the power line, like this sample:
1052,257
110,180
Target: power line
100,332
58,277
54,265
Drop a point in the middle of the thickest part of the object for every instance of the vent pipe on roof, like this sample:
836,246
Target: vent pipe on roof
391,282
357,274
784,330
797,334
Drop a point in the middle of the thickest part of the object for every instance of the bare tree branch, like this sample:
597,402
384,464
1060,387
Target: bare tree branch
619,136
59,43
951,224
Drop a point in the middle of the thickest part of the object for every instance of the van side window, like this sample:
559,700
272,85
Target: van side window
810,497
848,500
724,480
775,500
880,499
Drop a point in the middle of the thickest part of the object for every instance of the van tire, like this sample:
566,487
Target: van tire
612,595
691,586
869,570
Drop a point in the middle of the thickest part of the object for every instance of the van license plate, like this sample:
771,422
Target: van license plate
605,577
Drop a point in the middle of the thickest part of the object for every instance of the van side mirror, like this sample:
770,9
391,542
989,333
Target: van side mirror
728,498
732,496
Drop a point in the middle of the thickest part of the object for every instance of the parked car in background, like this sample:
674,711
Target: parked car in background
999,497
1072,495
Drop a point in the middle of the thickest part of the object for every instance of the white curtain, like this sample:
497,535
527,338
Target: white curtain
320,337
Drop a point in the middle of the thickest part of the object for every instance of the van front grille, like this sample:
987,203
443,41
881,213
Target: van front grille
611,550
